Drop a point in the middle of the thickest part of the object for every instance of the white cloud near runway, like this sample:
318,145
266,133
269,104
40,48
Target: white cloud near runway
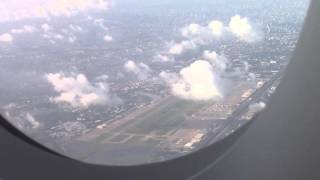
11,10
194,82
204,79
78,92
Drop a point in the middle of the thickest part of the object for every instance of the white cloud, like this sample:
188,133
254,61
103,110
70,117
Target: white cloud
194,82
141,70
131,66
6,38
22,120
218,62
108,38
58,36
46,27
72,39
192,30
241,28
204,34
216,28
210,55
77,91
103,77
18,10
33,122
176,49
100,23
24,29
197,35
163,58
53,38
76,28
67,33
179,48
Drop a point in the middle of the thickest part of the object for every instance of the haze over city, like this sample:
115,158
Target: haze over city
128,82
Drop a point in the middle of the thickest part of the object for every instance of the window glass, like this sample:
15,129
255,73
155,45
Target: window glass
125,82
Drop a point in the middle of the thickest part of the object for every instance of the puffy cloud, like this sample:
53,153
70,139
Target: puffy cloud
210,55
203,34
46,27
76,28
22,120
24,29
191,30
197,35
32,121
141,70
53,38
176,49
108,38
15,10
131,66
202,80
179,48
6,38
194,82
77,91
163,58
218,62
72,39
58,36
241,28
216,28
103,77
67,33
100,23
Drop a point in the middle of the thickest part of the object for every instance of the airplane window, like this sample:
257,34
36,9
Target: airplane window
125,82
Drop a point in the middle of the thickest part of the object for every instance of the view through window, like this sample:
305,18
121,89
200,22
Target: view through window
124,82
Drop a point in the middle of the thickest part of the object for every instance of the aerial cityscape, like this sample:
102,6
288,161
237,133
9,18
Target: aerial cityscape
127,82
